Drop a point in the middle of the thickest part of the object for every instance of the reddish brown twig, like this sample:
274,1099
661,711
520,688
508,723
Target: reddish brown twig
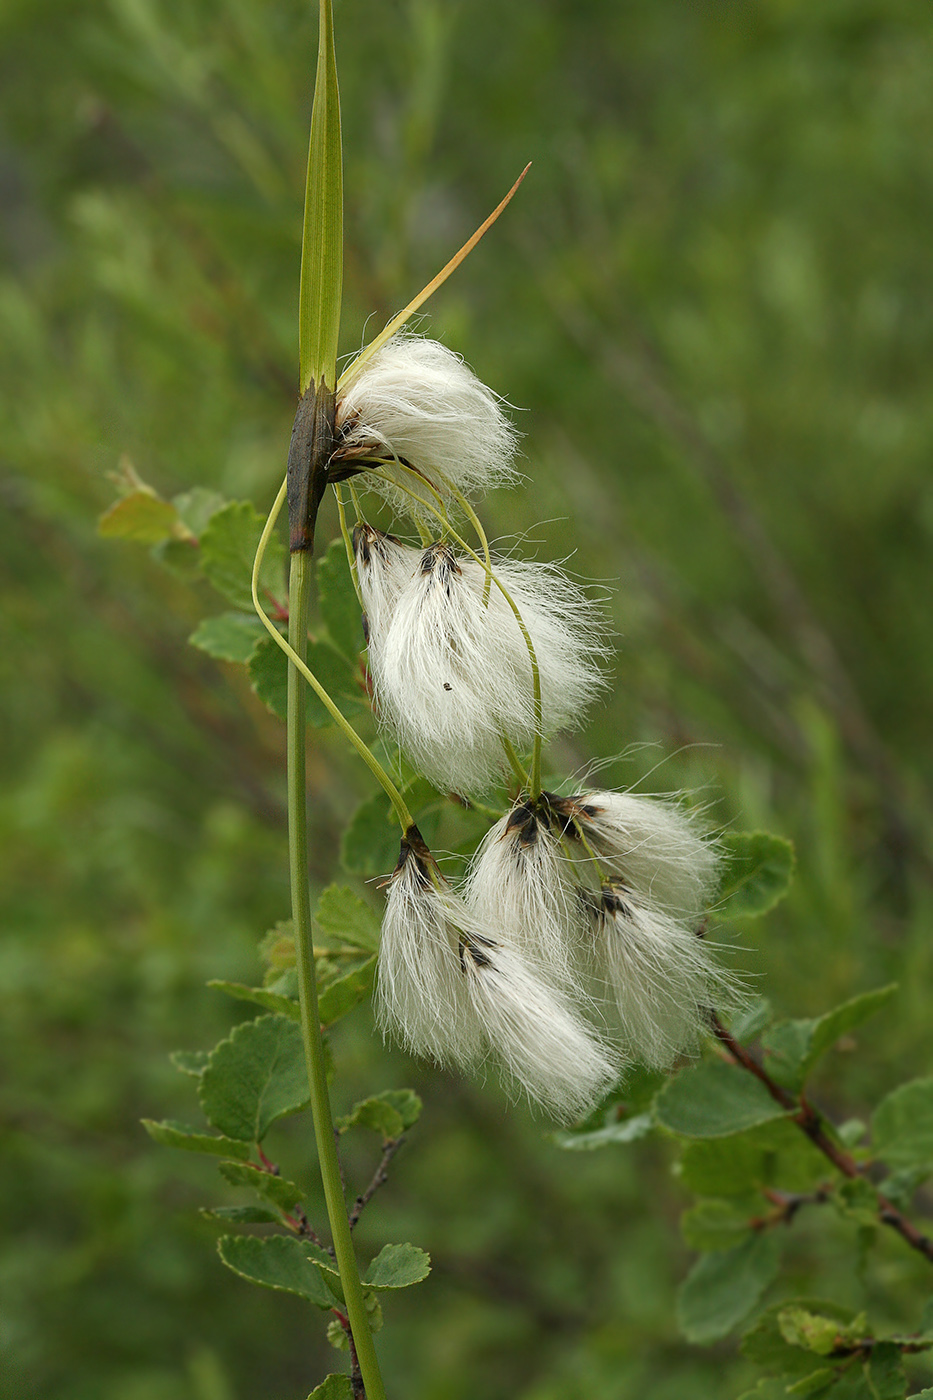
380,1177
810,1121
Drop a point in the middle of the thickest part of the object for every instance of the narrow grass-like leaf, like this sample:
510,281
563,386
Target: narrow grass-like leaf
321,289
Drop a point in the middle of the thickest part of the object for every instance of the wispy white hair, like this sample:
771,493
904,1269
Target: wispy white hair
651,845
448,988
520,882
660,976
416,402
451,669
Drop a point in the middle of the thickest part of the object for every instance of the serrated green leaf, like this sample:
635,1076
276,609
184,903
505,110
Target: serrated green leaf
190,1062
172,1134
232,636
765,1344
345,920
398,1266
253,1077
714,1099
800,1327
722,1166
241,1215
228,547
718,1224
142,517
370,844
613,1134
856,1199
278,1189
333,1387
260,996
282,1262
277,949
752,1020
767,1389
793,1048
268,674
885,1372
902,1125
196,507
338,602
815,1382
341,995
722,1288
390,1113
757,870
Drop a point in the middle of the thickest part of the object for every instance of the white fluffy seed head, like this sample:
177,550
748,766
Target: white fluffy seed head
545,1048
657,974
448,988
421,995
451,668
417,402
652,846
521,883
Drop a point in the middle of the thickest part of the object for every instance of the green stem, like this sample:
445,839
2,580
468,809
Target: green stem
535,783
405,819
521,777
298,601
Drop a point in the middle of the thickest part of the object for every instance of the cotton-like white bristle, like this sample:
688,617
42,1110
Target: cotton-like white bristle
661,978
383,566
650,845
421,995
452,673
417,402
545,1048
521,883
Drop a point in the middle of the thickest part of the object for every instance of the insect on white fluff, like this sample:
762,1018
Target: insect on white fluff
650,845
545,1048
417,402
661,977
520,882
452,673
421,995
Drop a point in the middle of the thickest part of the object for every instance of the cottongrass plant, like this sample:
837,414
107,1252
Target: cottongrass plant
571,949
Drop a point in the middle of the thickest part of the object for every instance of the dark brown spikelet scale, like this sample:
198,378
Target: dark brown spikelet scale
472,945
368,541
568,814
413,847
614,904
524,821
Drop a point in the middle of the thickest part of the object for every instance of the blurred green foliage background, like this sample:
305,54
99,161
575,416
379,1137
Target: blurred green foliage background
714,298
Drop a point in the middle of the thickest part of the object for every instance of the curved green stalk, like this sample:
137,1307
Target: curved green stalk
348,544
535,783
343,724
515,763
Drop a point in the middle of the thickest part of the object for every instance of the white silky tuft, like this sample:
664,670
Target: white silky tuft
449,989
452,673
662,978
421,996
650,845
521,883
417,402
546,1050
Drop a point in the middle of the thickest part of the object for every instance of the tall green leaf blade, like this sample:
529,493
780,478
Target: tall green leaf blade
253,1077
322,234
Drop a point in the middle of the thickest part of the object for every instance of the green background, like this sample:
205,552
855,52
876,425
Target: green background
712,302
